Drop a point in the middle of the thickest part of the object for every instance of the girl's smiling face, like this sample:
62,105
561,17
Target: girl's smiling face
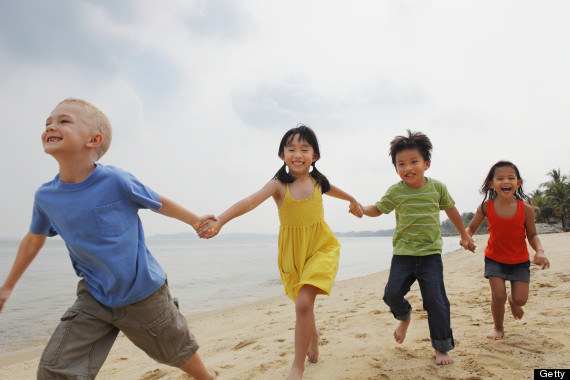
298,155
505,181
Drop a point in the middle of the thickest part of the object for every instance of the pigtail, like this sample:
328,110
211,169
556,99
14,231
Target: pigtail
320,179
519,194
283,176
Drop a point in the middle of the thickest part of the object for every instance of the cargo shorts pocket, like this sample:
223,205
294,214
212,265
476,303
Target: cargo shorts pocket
54,348
168,335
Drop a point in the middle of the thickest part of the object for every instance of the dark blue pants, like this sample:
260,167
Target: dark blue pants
428,270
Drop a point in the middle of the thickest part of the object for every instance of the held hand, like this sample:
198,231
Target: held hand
355,209
209,228
201,220
4,295
540,259
468,243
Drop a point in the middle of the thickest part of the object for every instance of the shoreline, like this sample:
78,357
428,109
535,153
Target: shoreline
256,340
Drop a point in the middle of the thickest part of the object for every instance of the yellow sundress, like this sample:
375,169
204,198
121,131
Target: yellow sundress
308,250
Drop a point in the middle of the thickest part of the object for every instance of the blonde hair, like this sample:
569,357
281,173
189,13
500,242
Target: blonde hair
98,122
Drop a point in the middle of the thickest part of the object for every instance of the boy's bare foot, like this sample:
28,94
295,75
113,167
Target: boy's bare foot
295,374
443,358
401,330
313,353
517,311
496,334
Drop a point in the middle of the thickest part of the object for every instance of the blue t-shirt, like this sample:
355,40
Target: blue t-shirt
98,220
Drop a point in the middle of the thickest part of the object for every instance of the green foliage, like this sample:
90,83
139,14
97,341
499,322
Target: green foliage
448,228
554,201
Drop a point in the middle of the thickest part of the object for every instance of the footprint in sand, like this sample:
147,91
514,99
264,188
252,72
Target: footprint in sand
154,374
243,343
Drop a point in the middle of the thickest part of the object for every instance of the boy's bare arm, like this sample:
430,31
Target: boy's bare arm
174,210
371,210
28,250
466,240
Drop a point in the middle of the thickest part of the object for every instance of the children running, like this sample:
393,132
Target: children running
308,250
94,208
417,241
511,219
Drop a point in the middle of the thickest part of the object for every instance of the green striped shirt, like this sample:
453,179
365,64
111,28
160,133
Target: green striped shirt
418,231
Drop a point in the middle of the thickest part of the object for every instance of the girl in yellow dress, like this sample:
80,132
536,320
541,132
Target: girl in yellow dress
308,250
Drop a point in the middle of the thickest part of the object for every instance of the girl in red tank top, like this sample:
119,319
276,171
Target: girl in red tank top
511,222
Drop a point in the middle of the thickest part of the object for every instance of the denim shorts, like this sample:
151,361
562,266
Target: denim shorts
508,272
85,335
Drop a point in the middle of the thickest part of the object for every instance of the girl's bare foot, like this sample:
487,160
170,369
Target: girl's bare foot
401,330
295,374
496,334
517,311
443,358
313,353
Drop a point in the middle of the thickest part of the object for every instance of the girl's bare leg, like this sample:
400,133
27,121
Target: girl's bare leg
196,368
306,334
498,299
518,297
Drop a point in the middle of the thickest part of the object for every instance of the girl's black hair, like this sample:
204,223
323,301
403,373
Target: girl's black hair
305,134
490,193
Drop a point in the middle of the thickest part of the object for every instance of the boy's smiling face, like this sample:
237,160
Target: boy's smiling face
67,130
410,166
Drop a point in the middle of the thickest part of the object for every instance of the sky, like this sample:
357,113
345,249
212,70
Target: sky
200,93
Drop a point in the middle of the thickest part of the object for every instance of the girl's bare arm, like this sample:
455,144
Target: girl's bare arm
532,236
355,208
211,228
476,221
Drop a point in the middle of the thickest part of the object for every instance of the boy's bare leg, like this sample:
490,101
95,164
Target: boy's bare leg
401,330
518,297
196,368
443,358
304,330
498,299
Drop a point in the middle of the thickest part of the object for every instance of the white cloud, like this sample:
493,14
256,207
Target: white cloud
201,92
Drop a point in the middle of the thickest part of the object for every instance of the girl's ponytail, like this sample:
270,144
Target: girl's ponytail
320,179
283,176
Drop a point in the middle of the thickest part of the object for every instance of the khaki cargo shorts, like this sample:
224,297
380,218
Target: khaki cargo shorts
85,335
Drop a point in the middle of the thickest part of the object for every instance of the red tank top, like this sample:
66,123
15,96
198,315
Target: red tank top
507,240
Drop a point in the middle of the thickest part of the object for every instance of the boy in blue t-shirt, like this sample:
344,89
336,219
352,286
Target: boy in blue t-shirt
94,208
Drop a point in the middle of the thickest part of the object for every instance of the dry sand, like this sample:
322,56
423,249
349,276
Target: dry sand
255,341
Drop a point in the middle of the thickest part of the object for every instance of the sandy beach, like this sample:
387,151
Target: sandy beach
255,341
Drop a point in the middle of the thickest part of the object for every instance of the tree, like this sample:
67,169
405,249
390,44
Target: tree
557,194
543,210
448,228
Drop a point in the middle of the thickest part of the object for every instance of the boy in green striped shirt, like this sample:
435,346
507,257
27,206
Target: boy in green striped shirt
417,241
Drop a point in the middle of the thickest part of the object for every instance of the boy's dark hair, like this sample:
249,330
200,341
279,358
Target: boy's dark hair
490,193
414,140
305,134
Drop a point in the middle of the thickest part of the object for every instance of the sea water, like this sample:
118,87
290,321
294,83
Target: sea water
203,274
